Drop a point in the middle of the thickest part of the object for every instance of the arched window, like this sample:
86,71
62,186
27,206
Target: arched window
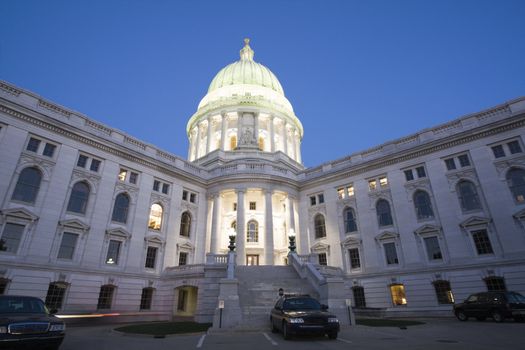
27,185
320,229
516,182
155,217
79,198
384,216
185,224
252,234
350,223
233,142
468,196
121,208
261,143
423,205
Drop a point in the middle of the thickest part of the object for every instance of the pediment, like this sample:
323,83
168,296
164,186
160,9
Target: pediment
319,247
387,235
119,232
186,246
520,214
154,238
426,229
475,221
75,224
351,241
19,213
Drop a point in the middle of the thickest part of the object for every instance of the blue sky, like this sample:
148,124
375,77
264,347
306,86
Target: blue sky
358,73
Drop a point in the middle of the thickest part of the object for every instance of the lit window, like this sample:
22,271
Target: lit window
233,142
33,144
433,249
516,183
183,258
322,259
341,193
372,185
67,246
105,297
383,181
355,261
443,292
82,161
79,198
482,242
95,165
350,191
409,176
253,205
320,229
514,147
55,295
27,185
113,252
391,253
122,174
11,237
261,143
398,294
252,236
498,151
151,257
146,298
49,150
155,217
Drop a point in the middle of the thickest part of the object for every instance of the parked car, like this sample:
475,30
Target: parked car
26,323
498,305
302,314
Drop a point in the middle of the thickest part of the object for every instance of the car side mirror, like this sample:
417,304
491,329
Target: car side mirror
324,307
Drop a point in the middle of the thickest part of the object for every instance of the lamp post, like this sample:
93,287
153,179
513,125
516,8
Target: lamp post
291,237
232,234
230,272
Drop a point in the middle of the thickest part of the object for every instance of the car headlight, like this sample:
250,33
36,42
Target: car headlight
3,330
333,320
296,320
59,327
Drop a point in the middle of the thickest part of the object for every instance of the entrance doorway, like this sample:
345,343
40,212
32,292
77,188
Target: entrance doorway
185,302
252,260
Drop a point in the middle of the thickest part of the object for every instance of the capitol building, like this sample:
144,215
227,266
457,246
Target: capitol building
96,221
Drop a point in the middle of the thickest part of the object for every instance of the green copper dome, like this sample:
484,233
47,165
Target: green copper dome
246,71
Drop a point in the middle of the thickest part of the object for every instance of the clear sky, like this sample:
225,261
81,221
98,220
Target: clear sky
358,73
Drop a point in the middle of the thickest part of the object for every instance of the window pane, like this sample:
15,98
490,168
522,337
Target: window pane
79,198
372,185
320,198
185,224
122,174
155,217
495,284
165,188
482,242
146,298
49,150
516,182
450,164
120,209
151,256
433,250
252,236
312,200
133,177
95,165
398,294
463,160
383,181
27,185
443,292
156,185
184,195
421,172
183,258
322,259
67,246
11,237
33,144
350,190
349,217
55,295
340,193
423,205
514,147
498,151
391,253
193,197
384,216
82,161
105,297
355,262
468,196
113,252
408,175
320,230
359,297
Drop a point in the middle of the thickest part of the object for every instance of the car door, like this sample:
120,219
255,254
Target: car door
277,314
470,305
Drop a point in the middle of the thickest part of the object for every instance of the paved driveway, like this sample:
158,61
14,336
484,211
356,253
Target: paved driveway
435,334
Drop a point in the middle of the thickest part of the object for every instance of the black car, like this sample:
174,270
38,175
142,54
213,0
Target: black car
498,305
302,314
25,323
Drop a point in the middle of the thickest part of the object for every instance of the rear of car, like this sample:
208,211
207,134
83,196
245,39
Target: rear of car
25,323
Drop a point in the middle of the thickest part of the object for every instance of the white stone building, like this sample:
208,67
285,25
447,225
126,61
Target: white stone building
92,219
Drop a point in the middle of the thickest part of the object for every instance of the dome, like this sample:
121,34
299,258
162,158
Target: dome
246,71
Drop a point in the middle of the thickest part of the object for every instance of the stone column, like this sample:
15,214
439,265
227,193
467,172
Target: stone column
268,236
272,136
256,128
241,229
298,143
224,124
197,143
291,214
215,224
239,117
293,147
208,138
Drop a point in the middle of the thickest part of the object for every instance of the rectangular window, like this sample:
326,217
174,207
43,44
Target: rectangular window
49,150
341,193
193,197
443,292
359,296
156,185
113,252
482,242
122,174
498,151
433,250
398,294
350,191
451,165
495,284
372,185
105,297
95,165
183,258
184,195
55,295
514,147
355,262
322,259
320,198
82,161
312,200
421,172
463,160
391,253
67,246
253,205
11,237
33,144
165,188
383,181
133,177
409,176
146,298
151,257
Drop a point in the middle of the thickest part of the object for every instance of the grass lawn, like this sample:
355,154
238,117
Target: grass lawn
165,328
382,322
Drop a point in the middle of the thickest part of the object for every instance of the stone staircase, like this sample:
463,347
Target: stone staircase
259,290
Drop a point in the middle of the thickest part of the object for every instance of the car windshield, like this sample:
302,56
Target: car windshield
516,298
17,305
301,304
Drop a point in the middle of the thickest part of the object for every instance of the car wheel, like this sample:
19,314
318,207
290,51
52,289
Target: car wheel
286,334
461,315
518,318
332,335
497,316
481,318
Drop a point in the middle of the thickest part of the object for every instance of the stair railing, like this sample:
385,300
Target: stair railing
307,270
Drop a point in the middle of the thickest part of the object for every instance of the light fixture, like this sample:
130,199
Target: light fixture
110,261
291,237
232,234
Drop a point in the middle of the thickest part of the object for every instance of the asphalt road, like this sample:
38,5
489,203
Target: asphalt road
435,334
